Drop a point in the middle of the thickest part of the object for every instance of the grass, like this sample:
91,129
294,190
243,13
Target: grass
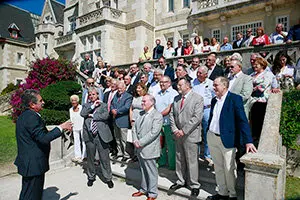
8,144
292,188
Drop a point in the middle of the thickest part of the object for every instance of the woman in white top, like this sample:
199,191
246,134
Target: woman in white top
97,74
214,46
197,45
77,122
206,46
169,51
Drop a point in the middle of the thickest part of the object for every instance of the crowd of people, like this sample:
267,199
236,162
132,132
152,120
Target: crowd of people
191,101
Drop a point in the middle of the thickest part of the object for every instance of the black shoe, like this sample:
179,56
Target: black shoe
176,186
90,183
195,192
232,198
218,197
110,184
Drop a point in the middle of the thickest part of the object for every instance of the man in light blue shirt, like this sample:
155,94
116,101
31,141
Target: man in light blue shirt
225,46
164,100
204,87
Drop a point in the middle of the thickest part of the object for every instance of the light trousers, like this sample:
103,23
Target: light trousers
79,153
224,164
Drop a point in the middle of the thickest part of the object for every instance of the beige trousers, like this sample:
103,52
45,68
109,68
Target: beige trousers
224,164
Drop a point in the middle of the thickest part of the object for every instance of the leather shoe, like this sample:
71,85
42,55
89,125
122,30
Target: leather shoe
176,186
150,198
195,192
110,184
217,197
138,194
90,183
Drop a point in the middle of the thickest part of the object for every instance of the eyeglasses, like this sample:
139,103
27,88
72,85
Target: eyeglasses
231,67
90,83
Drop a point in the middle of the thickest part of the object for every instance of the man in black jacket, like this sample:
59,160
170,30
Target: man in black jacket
158,50
214,70
33,141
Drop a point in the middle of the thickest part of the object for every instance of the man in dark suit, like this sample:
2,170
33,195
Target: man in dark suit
105,74
129,86
120,111
181,72
228,127
87,65
97,135
168,70
185,119
214,70
158,50
134,74
33,141
179,50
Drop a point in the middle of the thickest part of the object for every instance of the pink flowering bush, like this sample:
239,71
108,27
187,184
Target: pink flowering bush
42,73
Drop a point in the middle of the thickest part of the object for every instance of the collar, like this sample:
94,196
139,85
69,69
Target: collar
186,96
150,110
223,97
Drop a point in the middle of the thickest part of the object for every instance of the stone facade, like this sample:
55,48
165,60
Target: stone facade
118,30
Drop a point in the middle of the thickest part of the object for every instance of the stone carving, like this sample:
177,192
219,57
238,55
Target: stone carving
115,13
93,16
64,39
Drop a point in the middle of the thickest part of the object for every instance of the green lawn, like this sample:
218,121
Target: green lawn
292,188
8,145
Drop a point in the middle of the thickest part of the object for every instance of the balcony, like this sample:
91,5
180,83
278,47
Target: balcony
104,13
45,28
65,43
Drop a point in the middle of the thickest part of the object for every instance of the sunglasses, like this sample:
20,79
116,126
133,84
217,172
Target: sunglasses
91,83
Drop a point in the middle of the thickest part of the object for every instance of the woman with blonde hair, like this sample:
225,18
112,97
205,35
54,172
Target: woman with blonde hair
77,122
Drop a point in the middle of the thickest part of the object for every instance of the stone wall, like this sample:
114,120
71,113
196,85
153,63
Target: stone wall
5,108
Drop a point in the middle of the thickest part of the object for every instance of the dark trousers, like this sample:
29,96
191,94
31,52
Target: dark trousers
258,111
103,149
32,187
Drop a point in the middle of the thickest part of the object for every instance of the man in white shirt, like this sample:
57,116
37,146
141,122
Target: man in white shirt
278,37
155,87
192,71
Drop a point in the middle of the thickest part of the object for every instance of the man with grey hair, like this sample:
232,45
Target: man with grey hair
226,46
279,36
120,111
185,119
248,38
228,128
203,86
145,134
33,143
87,65
134,74
148,69
155,87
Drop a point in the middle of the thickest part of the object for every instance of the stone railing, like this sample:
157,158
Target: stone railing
265,171
104,13
64,39
45,28
199,6
268,52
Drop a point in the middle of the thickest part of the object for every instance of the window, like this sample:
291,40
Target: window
185,37
216,33
19,58
171,39
47,19
171,5
91,41
72,21
98,38
45,38
186,3
283,20
243,27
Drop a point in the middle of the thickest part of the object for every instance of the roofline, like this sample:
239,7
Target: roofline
52,11
17,42
59,2
21,9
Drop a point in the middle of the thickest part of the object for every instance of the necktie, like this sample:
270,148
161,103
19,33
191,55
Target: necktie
182,102
109,100
94,127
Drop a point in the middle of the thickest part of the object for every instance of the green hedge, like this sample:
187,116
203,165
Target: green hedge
57,101
290,119
9,88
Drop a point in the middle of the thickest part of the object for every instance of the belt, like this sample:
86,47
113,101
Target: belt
207,106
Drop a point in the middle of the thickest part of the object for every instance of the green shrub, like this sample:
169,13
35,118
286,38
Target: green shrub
290,119
57,101
9,88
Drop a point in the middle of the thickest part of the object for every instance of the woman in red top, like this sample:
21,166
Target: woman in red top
188,50
261,38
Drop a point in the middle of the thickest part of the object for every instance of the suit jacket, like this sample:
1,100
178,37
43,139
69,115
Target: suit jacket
137,79
131,89
189,117
169,72
182,51
243,86
174,84
87,65
234,126
159,52
218,71
236,46
122,105
33,141
100,116
85,94
146,131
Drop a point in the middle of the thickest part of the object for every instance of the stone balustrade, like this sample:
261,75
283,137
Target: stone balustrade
199,6
49,28
64,39
104,13
265,171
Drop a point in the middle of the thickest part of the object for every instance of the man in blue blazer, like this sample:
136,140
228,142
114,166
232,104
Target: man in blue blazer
228,128
33,141
120,111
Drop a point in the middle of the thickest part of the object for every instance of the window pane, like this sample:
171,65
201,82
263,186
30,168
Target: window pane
171,5
243,27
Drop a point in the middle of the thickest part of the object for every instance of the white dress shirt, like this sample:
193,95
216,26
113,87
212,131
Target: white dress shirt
215,121
231,82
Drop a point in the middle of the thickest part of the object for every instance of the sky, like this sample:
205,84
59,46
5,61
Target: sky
33,6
